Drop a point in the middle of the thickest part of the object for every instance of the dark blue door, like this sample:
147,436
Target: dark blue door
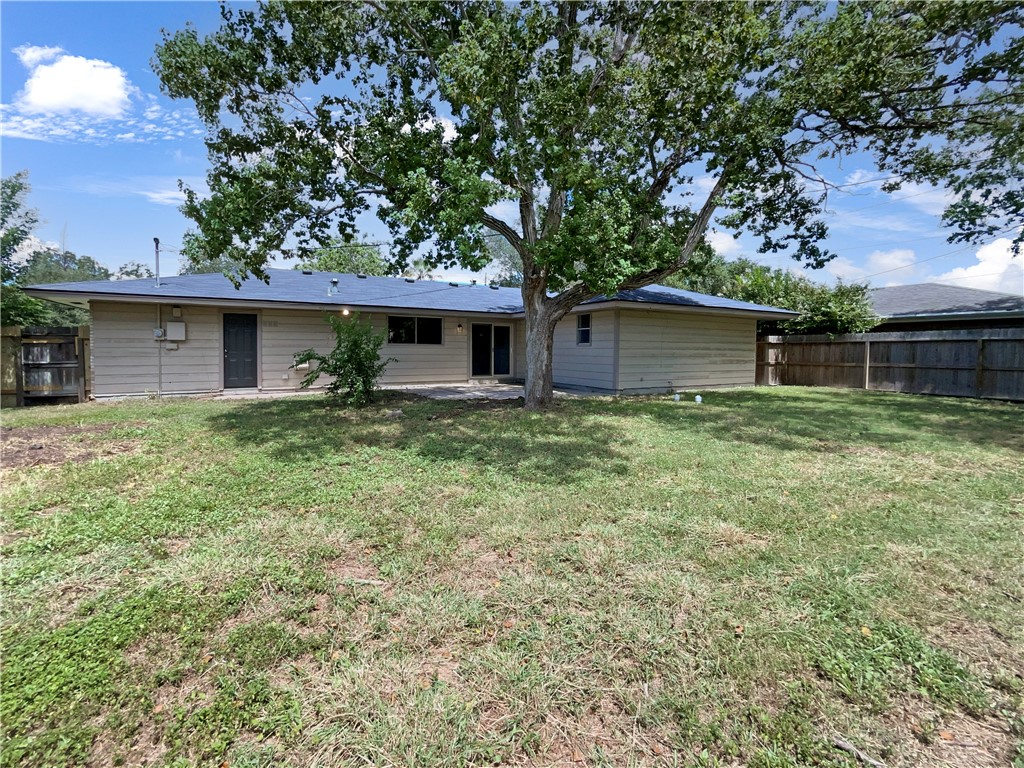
239,350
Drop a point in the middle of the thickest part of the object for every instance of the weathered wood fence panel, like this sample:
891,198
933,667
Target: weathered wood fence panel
970,363
45,365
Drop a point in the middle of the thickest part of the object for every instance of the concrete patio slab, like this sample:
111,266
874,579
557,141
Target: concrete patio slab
464,391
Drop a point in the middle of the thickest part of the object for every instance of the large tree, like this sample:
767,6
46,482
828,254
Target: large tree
593,119
52,265
357,257
17,222
842,308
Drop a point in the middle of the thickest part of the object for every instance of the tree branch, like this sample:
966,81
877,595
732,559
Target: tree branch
693,239
497,225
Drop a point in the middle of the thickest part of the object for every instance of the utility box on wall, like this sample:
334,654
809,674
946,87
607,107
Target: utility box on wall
175,331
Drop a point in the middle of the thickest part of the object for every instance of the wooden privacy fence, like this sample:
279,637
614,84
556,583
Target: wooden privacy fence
975,363
45,365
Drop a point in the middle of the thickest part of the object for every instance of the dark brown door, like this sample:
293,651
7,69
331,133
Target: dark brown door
481,349
239,351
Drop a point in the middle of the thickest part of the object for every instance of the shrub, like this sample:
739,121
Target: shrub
354,365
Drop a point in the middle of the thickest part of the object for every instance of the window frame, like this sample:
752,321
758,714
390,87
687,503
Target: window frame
416,330
588,329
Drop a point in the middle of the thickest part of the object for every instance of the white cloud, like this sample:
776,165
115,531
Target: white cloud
844,269
996,270
163,196
897,258
30,245
901,259
428,124
69,98
723,243
74,83
159,190
506,210
853,220
925,197
33,55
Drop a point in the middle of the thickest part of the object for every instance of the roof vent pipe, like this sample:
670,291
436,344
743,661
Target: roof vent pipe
334,287
156,249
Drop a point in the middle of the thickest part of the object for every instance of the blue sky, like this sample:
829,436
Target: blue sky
83,113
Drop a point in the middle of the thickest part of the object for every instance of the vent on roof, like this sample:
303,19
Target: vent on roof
410,279
361,277
472,282
307,271
494,287
454,285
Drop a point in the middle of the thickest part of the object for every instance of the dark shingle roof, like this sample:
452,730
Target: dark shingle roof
289,286
662,294
937,299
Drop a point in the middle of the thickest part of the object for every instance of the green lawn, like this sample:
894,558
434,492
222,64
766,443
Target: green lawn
616,582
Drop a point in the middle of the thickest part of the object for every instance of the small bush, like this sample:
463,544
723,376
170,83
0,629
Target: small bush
354,365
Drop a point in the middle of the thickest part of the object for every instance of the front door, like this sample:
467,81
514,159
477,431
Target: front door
491,350
239,350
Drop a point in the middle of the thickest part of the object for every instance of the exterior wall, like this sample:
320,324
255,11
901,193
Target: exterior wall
427,363
630,350
283,332
127,360
591,366
519,350
675,350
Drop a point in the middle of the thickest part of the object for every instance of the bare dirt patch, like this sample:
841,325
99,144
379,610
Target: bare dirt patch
23,447
924,738
353,569
483,568
146,744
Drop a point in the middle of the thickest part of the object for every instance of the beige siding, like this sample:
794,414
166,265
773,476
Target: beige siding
674,350
583,365
286,332
283,332
519,350
427,363
125,354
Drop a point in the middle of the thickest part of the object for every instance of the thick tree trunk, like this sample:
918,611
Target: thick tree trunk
540,335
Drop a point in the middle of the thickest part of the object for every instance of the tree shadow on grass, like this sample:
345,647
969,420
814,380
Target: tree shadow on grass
828,420
553,447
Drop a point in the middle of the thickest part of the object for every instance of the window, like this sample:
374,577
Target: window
401,330
429,330
582,329
415,330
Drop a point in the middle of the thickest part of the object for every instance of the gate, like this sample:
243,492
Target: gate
46,365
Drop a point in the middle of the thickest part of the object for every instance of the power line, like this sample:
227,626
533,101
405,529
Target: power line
969,246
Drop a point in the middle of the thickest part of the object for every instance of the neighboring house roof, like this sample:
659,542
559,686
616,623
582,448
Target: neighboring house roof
933,300
293,287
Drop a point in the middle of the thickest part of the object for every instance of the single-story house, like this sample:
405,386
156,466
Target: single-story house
937,307
198,333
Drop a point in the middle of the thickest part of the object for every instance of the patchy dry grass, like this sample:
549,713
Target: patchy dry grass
616,582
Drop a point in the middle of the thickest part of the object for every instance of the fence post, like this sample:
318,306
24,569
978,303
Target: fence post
979,370
867,364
